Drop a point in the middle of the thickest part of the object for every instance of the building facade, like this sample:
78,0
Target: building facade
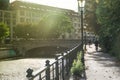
25,12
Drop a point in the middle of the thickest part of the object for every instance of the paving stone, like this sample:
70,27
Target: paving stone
101,65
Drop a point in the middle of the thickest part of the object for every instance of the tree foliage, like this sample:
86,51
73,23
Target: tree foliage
50,26
22,30
54,25
4,31
77,66
90,16
108,16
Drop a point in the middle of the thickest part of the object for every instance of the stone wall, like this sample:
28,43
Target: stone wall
7,53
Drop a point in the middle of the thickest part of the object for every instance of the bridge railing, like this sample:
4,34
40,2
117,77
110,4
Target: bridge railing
58,70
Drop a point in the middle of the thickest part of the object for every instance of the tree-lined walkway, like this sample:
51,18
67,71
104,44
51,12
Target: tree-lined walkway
101,66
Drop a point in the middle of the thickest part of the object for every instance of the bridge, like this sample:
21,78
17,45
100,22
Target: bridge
25,46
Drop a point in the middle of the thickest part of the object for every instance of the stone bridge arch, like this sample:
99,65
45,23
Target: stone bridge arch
45,51
25,45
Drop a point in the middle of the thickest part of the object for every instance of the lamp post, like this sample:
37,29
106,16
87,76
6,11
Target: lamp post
81,4
85,32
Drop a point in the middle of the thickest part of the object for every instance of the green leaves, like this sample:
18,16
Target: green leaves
77,66
4,31
54,25
90,16
50,26
108,16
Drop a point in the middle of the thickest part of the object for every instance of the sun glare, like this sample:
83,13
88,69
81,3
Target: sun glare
67,4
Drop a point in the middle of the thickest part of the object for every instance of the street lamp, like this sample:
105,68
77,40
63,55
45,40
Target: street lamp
81,4
85,37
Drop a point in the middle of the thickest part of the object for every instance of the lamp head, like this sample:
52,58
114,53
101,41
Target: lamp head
81,3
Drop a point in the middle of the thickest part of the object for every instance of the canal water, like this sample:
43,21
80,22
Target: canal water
15,69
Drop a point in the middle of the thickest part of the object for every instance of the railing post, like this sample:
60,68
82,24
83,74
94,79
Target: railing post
40,77
63,67
67,63
48,70
57,68
72,57
29,73
69,60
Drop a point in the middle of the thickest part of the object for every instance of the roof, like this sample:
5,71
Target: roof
29,5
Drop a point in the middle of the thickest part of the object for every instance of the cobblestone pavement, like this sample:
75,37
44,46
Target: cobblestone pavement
101,66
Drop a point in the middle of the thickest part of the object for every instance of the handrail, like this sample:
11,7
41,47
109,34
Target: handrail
56,70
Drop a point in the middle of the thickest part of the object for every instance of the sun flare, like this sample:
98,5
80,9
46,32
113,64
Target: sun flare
67,4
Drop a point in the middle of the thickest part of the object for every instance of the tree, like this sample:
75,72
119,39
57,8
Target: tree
108,16
24,31
4,31
50,26
54,25
90,16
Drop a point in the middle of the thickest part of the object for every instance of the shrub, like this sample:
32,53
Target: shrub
4,31
77,66
116,47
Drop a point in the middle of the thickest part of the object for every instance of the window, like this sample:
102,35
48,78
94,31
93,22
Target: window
22,19
7,14
14,15
14,22
22,13
27,20
75,24
1,20
0,13
7,21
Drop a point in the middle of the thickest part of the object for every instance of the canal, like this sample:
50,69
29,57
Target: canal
15,69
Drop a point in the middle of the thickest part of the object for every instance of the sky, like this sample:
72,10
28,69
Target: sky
67,4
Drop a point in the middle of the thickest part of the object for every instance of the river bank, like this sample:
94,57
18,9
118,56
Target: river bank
7,53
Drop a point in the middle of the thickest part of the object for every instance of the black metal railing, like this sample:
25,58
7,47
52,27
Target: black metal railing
58,70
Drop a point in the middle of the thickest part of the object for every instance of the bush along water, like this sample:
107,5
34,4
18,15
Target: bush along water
77,68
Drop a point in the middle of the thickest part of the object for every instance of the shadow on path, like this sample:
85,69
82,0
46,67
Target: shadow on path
101,66
105,59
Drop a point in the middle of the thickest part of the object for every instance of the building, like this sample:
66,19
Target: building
8,17
26,12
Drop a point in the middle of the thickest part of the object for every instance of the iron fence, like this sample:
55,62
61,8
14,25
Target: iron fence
58,70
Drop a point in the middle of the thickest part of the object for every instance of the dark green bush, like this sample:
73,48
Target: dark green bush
116,47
